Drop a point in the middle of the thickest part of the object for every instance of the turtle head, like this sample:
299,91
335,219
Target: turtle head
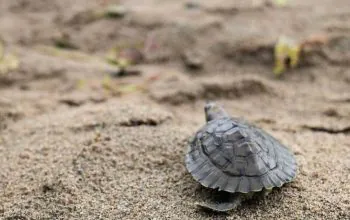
214,111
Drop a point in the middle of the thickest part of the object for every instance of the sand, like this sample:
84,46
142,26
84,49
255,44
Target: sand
71,149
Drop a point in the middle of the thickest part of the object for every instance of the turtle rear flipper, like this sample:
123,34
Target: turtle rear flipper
222,205
219,207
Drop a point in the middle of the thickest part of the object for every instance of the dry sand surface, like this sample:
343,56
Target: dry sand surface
71,148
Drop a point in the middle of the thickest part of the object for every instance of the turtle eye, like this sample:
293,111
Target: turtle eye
209,105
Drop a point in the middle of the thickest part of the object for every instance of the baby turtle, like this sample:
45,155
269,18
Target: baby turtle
237,159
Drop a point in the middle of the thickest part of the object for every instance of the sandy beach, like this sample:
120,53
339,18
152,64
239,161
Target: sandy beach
76,143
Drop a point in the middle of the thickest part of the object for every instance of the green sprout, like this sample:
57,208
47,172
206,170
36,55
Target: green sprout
287,55
280,3
115,11
114,57
8,62
2,49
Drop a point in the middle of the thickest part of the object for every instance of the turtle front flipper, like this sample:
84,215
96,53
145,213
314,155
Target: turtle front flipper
223,205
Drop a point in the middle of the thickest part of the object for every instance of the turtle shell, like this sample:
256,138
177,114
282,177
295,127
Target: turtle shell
231,155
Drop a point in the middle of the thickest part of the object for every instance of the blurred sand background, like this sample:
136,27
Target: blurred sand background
77,144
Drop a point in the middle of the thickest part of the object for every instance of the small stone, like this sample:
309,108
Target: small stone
116,11
305,207
297,150
64,41
24,87
192,5
315,175
193,60
47,188
331,112
123,72
24,156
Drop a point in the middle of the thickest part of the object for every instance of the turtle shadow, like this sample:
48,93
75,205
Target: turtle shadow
206,213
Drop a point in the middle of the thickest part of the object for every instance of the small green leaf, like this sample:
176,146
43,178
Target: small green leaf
81,84
128,88
285,48
281,3
8,63
107,82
